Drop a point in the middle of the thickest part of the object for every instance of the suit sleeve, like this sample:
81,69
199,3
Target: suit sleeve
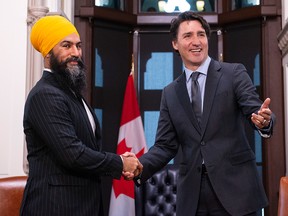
247,97
166,143
52,119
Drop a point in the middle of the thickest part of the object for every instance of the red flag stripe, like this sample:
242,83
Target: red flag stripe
130,108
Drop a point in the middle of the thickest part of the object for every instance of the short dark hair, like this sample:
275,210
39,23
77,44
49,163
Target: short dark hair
188,15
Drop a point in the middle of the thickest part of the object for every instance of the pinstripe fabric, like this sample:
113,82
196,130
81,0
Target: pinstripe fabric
65,161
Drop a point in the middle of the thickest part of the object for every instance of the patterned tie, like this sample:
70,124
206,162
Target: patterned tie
196,96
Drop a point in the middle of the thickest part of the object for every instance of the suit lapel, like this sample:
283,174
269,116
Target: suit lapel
182,94
212,80
98,131
87,121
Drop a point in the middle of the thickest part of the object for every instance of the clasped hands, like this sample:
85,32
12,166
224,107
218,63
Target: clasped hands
131,166
263,117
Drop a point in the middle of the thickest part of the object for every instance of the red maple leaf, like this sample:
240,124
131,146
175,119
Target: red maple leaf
122,186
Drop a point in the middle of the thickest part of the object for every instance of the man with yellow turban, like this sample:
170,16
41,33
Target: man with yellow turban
62,132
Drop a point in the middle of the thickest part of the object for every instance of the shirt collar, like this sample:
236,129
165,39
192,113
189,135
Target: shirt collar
48,69
203,68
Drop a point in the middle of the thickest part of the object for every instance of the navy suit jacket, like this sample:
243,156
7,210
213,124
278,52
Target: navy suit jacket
64,154
230,98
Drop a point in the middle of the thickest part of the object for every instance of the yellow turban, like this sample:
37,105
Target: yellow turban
49,31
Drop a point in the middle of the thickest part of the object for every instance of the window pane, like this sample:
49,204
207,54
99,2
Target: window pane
99,114
258,148
170,6
236,4
98,70
116,4
150,126
158,72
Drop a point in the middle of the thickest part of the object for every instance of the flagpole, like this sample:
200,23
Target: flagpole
132,66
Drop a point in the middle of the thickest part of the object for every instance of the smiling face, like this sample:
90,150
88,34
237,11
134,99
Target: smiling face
69,50
191,43
66,63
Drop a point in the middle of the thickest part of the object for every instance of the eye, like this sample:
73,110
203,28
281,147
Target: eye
79,46
187,35
67,45
202,34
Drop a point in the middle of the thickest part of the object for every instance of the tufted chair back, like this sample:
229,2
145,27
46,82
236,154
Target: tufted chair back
157,197
11,194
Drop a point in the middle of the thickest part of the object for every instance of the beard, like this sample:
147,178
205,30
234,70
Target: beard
69,77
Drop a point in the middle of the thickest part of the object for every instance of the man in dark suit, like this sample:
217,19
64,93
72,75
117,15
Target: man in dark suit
217,173
62,132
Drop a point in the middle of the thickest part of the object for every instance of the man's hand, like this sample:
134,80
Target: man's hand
263,117
131,166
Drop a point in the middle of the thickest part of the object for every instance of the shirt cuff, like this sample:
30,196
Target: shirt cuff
137,180
265,132
121,158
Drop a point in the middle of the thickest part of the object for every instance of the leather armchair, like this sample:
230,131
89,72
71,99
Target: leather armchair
11,194
157,197
283,197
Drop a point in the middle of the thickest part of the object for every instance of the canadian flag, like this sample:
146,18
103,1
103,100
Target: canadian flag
131,139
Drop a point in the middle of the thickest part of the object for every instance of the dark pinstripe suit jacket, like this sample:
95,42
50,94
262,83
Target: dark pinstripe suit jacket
65,161
230,98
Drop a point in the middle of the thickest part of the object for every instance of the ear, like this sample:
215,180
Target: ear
47,61
175,45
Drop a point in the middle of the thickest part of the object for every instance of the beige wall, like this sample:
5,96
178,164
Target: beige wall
12,89
284,12
16,74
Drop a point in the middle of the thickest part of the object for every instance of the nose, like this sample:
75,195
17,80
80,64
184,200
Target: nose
195,40
75,51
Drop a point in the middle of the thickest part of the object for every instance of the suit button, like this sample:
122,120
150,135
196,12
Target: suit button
203,143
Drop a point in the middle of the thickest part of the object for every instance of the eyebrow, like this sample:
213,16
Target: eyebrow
70,42
197,32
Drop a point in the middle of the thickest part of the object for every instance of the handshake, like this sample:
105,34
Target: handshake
131,166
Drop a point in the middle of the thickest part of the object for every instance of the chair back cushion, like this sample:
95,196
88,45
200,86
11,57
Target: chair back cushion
158,195
11,194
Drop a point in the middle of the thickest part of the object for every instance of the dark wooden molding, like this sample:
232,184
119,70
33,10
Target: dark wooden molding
118,16
273,87
247,13
165,18
108,14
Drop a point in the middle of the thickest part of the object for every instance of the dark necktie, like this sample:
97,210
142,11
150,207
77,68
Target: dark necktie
196,96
